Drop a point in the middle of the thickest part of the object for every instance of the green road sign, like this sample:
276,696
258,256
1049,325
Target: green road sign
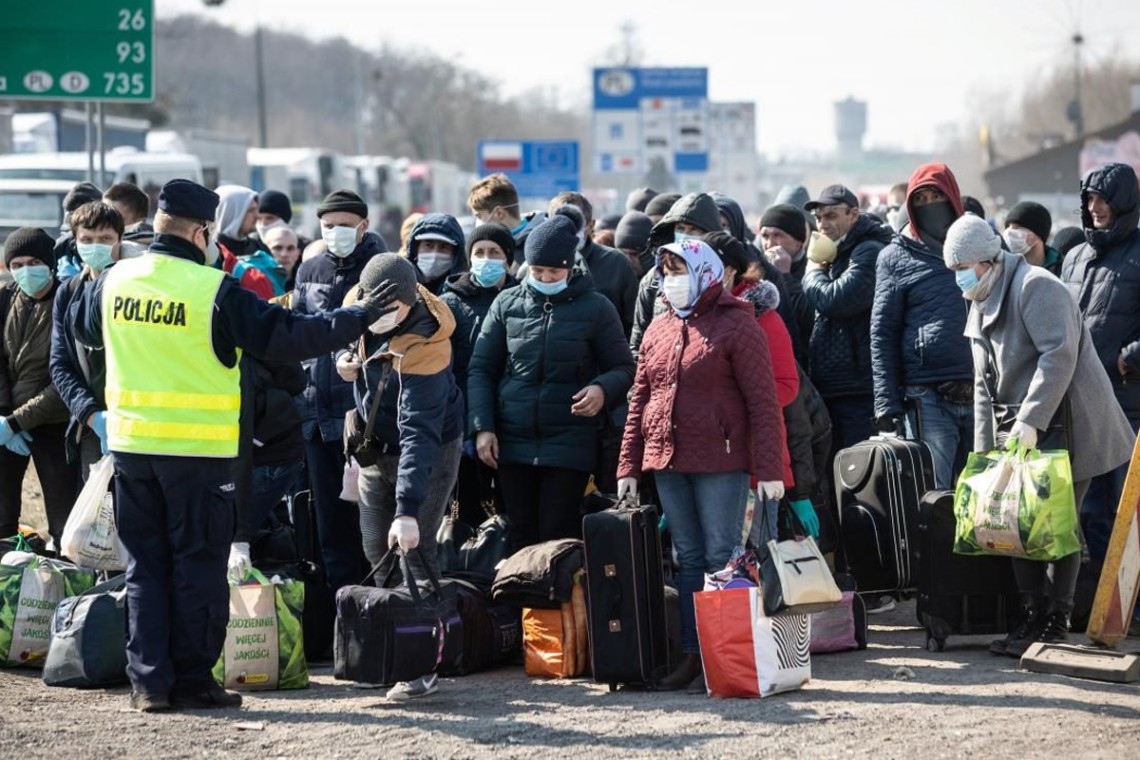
77,50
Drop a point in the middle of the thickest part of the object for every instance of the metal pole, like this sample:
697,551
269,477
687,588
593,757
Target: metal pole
88,142
1078,40
102,147
262,124
358,96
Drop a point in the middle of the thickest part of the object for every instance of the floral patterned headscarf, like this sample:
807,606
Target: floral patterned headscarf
705,269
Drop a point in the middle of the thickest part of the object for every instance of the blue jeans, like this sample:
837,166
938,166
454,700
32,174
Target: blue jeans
947,428
706,516
270,485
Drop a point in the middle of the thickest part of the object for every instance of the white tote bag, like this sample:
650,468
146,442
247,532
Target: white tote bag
90,538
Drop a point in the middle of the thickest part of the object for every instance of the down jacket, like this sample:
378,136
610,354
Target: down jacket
533,354
1103,274
704,400
841,296
323,282
917,324
27,397
469,303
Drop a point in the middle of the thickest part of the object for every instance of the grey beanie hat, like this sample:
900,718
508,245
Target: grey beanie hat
970,240
394,267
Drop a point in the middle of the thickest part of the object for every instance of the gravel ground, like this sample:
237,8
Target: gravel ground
962,702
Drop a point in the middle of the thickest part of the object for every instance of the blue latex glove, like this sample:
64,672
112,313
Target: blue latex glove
99,425
67,268
19,444
6,431
805,512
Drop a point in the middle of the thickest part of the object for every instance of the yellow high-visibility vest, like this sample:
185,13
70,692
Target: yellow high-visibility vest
167,393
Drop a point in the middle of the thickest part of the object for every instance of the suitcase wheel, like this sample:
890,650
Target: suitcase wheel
935,645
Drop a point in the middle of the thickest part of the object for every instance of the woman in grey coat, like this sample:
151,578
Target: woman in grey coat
1037,377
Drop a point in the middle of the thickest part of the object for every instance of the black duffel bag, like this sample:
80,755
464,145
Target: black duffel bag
89,638
492,632
477,556
385,635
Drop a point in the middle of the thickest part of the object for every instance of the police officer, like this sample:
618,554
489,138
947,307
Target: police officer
173,331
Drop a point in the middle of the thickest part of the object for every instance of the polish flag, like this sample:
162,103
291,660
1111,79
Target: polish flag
502,157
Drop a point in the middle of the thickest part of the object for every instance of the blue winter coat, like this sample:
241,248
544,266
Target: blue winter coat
841,296
917,324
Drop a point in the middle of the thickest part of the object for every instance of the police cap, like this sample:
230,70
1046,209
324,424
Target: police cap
187,199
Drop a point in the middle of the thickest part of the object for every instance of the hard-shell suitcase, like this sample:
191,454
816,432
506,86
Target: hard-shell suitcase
89,638
958,594
878,485
625,594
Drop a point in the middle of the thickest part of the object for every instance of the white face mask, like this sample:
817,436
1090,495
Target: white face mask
434,265
676,290
340,240
386,323
1018,241
262,229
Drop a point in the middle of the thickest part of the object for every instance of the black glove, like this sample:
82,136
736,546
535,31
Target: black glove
378,301
890,424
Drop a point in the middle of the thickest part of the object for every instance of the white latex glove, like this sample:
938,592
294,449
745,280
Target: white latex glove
240,563
772,489
627,487
348,366
405,532
1025,433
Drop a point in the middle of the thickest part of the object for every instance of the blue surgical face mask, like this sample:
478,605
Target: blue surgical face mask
966,279
680,237
95,255
548,288
32,279
488,272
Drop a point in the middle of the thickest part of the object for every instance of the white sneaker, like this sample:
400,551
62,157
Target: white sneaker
421,687
880,605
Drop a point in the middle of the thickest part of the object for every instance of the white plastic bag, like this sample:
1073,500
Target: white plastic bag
350,483
90,538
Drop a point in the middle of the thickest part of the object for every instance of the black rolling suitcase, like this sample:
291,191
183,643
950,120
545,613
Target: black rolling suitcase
878,486
625,596
958,594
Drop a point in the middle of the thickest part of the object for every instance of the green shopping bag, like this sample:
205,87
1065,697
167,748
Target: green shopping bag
264,647
1017,503
31,587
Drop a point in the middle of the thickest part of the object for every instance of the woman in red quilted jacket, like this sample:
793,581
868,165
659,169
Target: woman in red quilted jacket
704,416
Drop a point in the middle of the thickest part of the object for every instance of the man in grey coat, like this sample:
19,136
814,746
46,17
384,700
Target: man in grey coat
1036,376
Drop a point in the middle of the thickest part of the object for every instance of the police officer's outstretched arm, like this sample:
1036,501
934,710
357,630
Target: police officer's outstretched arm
271,332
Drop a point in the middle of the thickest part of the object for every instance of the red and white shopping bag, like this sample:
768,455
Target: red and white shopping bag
744,652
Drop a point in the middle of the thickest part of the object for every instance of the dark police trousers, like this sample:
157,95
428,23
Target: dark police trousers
176,518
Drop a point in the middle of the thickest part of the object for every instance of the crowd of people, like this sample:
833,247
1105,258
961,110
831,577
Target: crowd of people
671,352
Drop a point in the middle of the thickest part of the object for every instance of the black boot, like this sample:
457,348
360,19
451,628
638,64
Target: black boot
1019,639
1055,628
683,675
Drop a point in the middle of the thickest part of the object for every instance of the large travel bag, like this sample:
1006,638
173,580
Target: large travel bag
556,641
386,635
878,486
492,632
958,594
89,638
539,576
625,595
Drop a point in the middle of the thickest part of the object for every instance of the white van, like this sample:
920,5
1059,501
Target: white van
150,171
306,175
32,203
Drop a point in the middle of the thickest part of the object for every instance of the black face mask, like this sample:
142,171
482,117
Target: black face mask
934,219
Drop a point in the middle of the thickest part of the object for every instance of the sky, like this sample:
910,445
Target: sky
919,64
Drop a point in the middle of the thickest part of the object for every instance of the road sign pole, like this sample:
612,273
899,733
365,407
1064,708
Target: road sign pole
88,141
102,147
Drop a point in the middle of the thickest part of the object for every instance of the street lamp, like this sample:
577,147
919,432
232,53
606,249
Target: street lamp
262,123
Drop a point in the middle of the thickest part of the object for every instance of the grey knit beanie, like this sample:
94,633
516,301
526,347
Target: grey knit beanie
391,266
970,240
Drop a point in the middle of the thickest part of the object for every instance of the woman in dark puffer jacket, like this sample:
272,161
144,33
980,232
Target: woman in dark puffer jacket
704,416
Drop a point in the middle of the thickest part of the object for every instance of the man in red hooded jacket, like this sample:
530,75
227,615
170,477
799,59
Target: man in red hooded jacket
922,366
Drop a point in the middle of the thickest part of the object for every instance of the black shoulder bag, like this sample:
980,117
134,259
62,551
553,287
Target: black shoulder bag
358,442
